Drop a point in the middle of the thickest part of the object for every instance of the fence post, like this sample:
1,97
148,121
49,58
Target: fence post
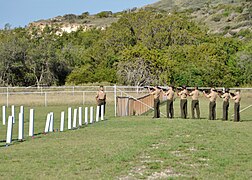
41,90
115,98
83,97
45,99
7,96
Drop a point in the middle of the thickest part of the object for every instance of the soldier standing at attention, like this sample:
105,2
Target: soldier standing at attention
195,102
226,98
156,93
101,99
170,98
183,102
212,105
237,99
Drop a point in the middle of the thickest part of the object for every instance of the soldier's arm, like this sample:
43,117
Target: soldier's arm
151,92
179,93
167,93
206,95
233,97
191,94
97,95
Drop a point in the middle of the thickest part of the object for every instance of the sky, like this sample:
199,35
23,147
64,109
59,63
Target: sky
19,13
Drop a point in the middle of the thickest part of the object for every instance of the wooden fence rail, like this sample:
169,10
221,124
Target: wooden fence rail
129,106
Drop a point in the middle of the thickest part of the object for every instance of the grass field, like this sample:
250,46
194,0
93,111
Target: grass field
132,147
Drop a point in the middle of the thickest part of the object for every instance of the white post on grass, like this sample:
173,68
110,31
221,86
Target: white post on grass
9,130
102,112
97,113
51,126
75,118
69,118
21,126
4,114
80,116
86,115
47,125
31,124
13,113
62,119
91,114
22,109
115,98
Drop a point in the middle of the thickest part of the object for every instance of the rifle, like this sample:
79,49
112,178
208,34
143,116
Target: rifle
149,87
189,90
159,87
232,94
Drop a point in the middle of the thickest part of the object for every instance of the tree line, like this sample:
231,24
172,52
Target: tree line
142,48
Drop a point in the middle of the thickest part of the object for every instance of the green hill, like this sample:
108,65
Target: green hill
229,17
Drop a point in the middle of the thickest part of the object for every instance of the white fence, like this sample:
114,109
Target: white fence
63,95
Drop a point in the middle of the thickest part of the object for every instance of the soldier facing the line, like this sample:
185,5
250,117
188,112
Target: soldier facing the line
195,102
101,99
170,98
156,93
183,102
212,105
226,97
237,99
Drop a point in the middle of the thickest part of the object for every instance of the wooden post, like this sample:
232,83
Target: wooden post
83,97
4,114
115,98
45,99
7,97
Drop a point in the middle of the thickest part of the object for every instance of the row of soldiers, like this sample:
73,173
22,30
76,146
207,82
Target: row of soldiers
184,93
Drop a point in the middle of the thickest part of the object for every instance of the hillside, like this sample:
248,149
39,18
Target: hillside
71,22
228,17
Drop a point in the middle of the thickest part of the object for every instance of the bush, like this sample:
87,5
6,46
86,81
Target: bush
217,18
104,14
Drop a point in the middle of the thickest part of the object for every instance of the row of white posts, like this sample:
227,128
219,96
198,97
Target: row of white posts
49,126
11,121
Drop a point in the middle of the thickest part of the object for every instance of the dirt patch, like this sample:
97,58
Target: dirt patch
164,174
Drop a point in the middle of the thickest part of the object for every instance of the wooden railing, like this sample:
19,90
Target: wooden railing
128,106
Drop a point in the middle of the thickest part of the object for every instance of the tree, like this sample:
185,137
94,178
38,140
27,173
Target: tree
13,48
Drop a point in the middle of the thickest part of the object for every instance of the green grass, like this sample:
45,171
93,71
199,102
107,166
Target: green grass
133,147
